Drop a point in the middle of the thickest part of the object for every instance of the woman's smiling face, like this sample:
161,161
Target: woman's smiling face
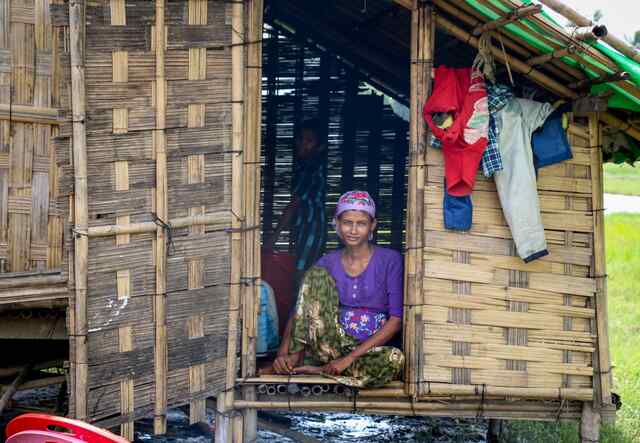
355,227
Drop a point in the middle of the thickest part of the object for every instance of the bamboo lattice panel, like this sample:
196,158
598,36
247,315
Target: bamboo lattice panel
30,221
122,174
366,141
490,320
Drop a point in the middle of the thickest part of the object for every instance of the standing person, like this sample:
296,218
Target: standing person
305,214
350,305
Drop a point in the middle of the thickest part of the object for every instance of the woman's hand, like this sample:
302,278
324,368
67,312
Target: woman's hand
337,366
284,364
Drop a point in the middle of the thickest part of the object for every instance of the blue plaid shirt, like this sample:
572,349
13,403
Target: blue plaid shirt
497,97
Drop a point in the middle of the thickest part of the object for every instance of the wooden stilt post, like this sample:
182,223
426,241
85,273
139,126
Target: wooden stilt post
13,387
159,305
494,431
422,36
251,259
229,427
589,424
80,207
602,379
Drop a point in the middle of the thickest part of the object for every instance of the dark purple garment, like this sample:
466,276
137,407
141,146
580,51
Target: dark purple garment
377,290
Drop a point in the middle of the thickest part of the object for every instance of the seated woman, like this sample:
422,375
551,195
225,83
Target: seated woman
349,306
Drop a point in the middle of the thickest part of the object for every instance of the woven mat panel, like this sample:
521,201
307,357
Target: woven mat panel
488,319
30,218
120,77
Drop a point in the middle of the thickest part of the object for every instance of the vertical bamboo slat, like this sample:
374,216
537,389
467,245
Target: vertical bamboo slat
422,30
230,429
270,70
252,127
80,200
349,131
603,379
159,305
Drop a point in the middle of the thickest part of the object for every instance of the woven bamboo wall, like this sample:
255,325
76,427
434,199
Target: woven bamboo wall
124,145
30,221
491,322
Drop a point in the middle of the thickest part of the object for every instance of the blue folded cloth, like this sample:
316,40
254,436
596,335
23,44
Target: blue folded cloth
550,144
458,211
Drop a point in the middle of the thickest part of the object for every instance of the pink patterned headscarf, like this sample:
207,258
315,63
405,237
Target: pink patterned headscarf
356,201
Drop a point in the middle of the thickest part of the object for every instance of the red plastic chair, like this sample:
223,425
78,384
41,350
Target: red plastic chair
42,437
27,428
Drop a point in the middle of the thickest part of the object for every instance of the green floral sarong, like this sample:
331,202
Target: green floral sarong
317,331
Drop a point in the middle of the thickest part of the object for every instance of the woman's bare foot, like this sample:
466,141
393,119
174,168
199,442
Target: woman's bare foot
306,369
266,370
283,365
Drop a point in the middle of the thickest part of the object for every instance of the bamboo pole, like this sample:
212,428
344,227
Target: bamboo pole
563,36
609,78
589,424
252,128
18,282
42,382
159,304
13,387
30,114
529,410
218,220
558,53
229,428
513,16
596,33
602,380
301,379
615,122
422,28
573,16
80,206
447,389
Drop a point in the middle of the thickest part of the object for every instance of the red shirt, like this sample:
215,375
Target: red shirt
460,92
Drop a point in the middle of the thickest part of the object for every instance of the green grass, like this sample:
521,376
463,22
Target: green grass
622,179
623,268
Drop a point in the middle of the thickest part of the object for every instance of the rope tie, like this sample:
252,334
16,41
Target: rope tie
484,61
167,227
480,413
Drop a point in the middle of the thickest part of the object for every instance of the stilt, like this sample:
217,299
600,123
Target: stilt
494,431
13,387
589,424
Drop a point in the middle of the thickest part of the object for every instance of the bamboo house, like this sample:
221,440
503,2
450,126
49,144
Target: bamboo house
144,146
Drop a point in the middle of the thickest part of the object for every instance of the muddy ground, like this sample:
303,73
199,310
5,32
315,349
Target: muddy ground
325,427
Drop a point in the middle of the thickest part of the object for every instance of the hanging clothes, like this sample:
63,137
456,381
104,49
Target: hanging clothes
460,93
458,211
497,96
550,144
516,183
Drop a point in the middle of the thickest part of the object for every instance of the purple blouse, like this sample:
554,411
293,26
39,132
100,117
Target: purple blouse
367,301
